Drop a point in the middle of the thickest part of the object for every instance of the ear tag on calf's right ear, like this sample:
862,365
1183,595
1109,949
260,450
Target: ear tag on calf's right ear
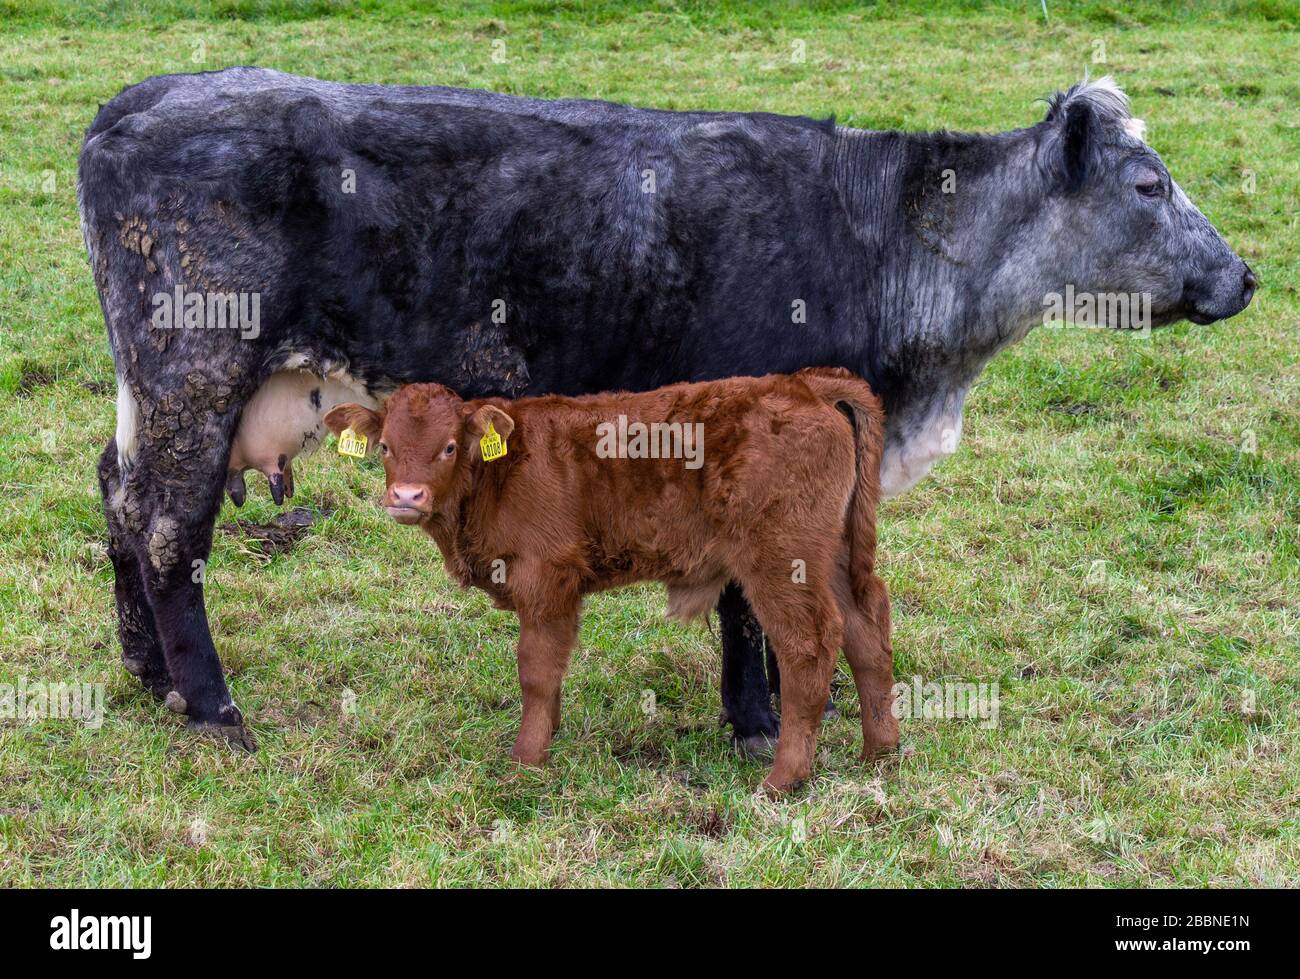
352,444
492,444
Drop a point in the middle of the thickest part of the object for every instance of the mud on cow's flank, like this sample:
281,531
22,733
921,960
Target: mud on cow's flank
1125,574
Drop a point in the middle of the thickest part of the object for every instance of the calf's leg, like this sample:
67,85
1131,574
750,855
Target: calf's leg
804,623
774,683
545,645
870,652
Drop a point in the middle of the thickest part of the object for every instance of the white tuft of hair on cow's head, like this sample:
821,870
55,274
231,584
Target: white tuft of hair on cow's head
1136,128
1103,95
1105,88
1106,98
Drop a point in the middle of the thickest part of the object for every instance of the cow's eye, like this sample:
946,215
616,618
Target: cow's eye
1149,185
383,448
450,450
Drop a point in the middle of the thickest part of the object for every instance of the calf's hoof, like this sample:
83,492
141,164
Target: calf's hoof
880,737
878,752
777,788
755,747
528,755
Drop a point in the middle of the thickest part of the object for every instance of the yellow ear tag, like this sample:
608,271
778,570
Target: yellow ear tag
352,444
492,444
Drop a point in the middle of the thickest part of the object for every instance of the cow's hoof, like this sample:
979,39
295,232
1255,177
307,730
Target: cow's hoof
155,681
236,735
756,747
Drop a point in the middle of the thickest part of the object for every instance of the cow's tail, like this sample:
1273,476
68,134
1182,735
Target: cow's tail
838,387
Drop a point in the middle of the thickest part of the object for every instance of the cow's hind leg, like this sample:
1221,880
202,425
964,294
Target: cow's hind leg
163,509
142,652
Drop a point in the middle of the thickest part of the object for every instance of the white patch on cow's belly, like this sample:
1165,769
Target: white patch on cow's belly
128,425
906,464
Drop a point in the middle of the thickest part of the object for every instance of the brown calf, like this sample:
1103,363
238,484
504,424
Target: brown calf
772,487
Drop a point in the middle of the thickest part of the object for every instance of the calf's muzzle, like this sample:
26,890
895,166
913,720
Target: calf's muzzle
407,503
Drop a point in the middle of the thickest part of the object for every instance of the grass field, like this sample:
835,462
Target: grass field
1115,544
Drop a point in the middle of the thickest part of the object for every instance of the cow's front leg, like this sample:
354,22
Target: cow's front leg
746,703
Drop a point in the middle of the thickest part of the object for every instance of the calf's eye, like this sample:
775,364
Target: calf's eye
383,448
450,450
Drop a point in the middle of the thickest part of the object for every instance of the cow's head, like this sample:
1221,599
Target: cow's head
1115,222
429,440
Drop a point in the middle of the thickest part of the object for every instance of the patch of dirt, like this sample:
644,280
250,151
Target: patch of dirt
1074,407
33,378
97,387
266,540
711,822
26,809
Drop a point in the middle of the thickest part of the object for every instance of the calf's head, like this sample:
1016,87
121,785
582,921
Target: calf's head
429,441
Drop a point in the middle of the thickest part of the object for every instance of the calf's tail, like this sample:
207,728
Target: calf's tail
840,388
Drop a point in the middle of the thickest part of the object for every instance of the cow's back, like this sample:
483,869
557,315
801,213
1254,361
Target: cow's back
500,244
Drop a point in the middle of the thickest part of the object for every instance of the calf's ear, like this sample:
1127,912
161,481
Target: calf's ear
477,423
359,418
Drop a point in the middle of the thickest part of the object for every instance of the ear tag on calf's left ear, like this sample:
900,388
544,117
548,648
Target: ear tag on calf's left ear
492,444
352,444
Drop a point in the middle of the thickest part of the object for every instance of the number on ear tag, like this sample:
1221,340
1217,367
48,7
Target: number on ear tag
492,444
352,444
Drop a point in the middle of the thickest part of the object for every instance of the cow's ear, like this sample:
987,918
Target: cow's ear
477,423
1078,143
359,418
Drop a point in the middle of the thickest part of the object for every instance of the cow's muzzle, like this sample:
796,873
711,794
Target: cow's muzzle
1221,295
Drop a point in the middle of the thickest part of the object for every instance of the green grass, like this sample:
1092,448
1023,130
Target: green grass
1123,754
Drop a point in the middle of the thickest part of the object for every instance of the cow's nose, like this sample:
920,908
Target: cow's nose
1248,284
